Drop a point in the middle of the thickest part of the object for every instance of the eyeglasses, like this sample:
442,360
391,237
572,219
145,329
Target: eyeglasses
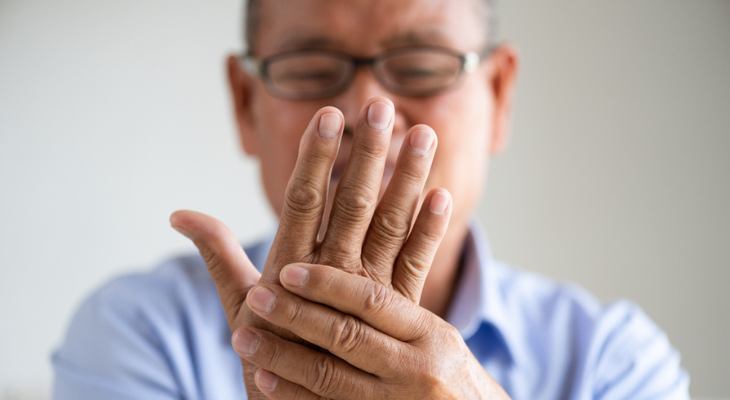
413,71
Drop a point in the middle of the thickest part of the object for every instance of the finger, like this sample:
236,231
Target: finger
392,219
375,304
343,335
277,388
229,266
416,257
306,192
320,373
357,191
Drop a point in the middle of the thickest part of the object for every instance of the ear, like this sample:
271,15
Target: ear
503,76
241,84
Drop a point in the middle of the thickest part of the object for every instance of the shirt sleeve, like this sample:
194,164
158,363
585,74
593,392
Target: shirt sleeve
111,350
634,359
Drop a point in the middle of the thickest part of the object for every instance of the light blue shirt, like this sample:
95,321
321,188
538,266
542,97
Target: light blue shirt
163,335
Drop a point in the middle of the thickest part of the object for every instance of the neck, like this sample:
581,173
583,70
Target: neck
439,287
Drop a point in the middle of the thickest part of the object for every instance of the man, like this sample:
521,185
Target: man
373,122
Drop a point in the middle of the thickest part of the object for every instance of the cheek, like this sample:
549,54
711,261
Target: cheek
461,118
462,121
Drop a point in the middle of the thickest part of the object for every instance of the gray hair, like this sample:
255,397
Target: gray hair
253,7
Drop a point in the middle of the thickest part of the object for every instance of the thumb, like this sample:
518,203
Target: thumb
228,264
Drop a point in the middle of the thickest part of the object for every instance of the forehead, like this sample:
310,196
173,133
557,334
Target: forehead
364,27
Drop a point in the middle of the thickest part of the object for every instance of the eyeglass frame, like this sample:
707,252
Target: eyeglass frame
259,67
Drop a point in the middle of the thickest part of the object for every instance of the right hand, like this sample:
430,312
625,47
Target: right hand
363,236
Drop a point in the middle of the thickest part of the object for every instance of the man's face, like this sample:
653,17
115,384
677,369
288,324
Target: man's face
469,119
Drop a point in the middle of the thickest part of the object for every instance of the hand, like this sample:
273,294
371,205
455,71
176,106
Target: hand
391,347
363,237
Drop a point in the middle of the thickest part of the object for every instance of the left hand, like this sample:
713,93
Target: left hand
391,347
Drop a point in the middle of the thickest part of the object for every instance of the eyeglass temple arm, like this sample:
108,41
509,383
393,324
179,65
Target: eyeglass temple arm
472,59
251,65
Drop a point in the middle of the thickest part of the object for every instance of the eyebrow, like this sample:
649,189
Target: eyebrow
430,36
299,43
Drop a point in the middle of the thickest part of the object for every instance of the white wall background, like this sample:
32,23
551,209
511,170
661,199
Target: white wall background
114,114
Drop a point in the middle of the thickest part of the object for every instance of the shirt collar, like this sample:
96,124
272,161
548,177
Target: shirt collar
477,300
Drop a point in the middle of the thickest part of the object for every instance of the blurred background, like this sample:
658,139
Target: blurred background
114,114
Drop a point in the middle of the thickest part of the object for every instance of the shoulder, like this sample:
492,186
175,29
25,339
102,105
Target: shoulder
152,301
146,335
176,284
180,287
603,350
532,299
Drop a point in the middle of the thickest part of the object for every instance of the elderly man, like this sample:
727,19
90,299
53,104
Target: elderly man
373,121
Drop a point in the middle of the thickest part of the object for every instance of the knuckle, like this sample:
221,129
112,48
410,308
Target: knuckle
432,382
216,267
408,288
412,266
430,238
356,201
410,277
234,301
303,197
347,335
322,375
422,326
375,148
292,313
345,257
377,297
451,334
231,297
392,223
415,175
273,358
432,375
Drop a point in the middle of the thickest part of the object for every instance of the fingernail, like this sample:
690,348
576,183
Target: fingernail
266,380
245,342
421,142
294,275
329,125
262,299
379,115
439,202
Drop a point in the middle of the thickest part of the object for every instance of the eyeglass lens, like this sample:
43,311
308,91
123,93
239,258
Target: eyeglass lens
303,75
